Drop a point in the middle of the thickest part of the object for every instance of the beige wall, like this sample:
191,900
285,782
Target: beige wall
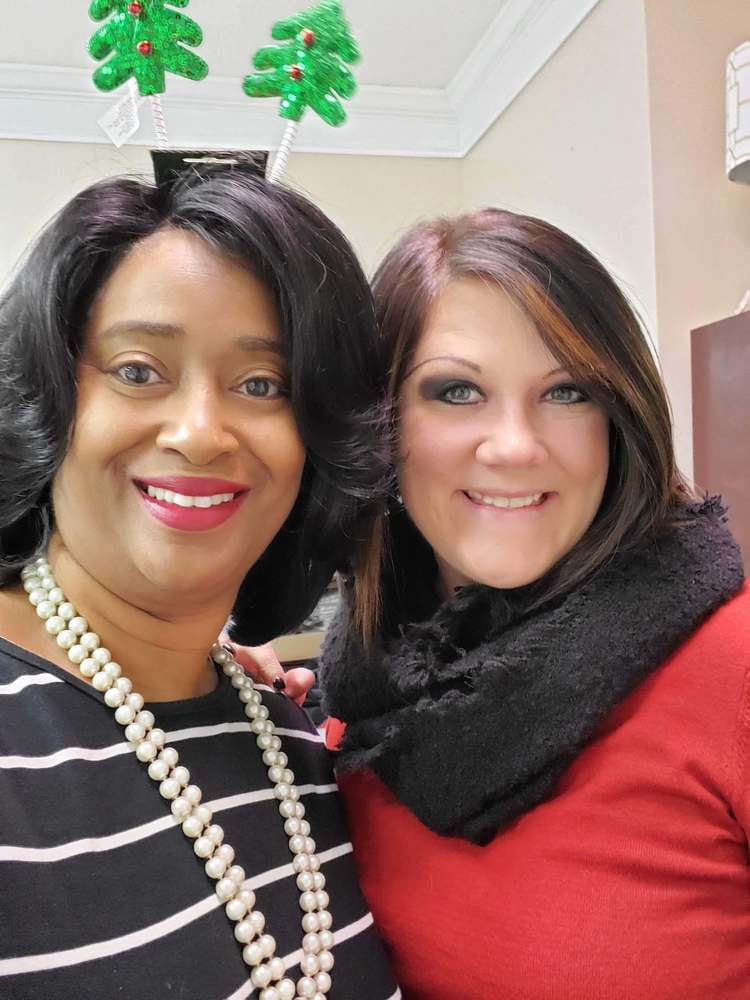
371,198
574,148
702,220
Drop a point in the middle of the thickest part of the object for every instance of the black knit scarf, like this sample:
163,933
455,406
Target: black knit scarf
471,716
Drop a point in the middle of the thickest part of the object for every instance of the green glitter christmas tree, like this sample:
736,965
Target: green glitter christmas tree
145,39
307,70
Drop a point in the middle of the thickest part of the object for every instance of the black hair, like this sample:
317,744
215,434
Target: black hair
328,337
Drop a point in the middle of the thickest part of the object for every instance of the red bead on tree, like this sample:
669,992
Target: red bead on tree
296,73
144,48
308,37
135,8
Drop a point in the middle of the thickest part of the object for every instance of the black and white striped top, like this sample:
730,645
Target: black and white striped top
101,895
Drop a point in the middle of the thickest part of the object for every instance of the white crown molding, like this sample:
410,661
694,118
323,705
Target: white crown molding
59,104
521,39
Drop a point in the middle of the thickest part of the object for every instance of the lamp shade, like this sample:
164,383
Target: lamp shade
738,114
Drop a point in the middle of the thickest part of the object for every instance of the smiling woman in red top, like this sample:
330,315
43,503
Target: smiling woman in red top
547,746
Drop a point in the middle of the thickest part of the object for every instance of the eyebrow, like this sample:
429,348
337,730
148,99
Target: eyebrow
169,330
470,364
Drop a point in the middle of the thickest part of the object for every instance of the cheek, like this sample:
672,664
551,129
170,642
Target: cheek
588,451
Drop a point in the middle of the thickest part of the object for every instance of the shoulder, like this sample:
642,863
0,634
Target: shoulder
726,631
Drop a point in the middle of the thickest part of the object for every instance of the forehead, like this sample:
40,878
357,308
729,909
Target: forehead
175,277
475,315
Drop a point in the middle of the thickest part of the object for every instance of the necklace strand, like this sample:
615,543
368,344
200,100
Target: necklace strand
94,661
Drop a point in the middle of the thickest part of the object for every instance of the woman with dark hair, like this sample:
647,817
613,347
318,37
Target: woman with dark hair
547,740
186,431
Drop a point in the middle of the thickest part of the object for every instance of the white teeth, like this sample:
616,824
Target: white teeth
507,502
182,500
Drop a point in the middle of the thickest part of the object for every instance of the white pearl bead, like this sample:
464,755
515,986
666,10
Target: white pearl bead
269,993
292,826
286,989
180,774
218,654
135,701
264,741
90,667
247,896
225,852
275,743
124,684
244,931
55,624
77,654
322,899
326,940
204,847
134,732
225,887
305,882
293,794
261,975
304,828
325,957
192,827
301,863
46,610
169,756
112,669
124,715
32,583
201,812
258,921
308,902
286,808
306,987
79,625
193,794
158,738
288,776
169,788
314,862
146,719
145,751
270,757
237,681
252,953
323,982
275,774
215,868
180,806
246,695
257,726
37,596
215,834
309,964
268,944
319,881
113,697
281,758
310,845
237,874
325,919
158,770
66,610
48,581
101,654
56,595
235,909
311,944
90,641
297,844
101,681
276,965
66,639
299,809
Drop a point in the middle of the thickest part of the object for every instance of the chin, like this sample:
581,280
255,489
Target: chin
508,577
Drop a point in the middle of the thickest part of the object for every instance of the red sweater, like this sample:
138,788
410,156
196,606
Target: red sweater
632,883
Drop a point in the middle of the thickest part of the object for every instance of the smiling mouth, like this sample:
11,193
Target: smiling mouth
186,500
506,503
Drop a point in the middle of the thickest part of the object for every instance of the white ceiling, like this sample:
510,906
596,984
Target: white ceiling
432,79
404,43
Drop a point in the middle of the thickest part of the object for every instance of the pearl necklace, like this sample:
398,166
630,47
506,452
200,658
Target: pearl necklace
268,972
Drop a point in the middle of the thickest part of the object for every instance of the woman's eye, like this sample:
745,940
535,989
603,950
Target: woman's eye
135,374
566,394
262,388
460,393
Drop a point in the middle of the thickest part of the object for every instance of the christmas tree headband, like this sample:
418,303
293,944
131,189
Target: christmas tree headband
143,40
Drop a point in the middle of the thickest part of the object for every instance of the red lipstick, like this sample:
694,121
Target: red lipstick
190,518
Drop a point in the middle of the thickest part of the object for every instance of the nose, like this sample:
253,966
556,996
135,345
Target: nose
197,426
510,438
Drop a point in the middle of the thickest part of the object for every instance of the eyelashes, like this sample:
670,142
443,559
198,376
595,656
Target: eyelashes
460,392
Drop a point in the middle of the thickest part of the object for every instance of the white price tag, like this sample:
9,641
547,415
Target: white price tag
122,121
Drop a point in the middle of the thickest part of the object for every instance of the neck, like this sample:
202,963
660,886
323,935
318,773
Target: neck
165,656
